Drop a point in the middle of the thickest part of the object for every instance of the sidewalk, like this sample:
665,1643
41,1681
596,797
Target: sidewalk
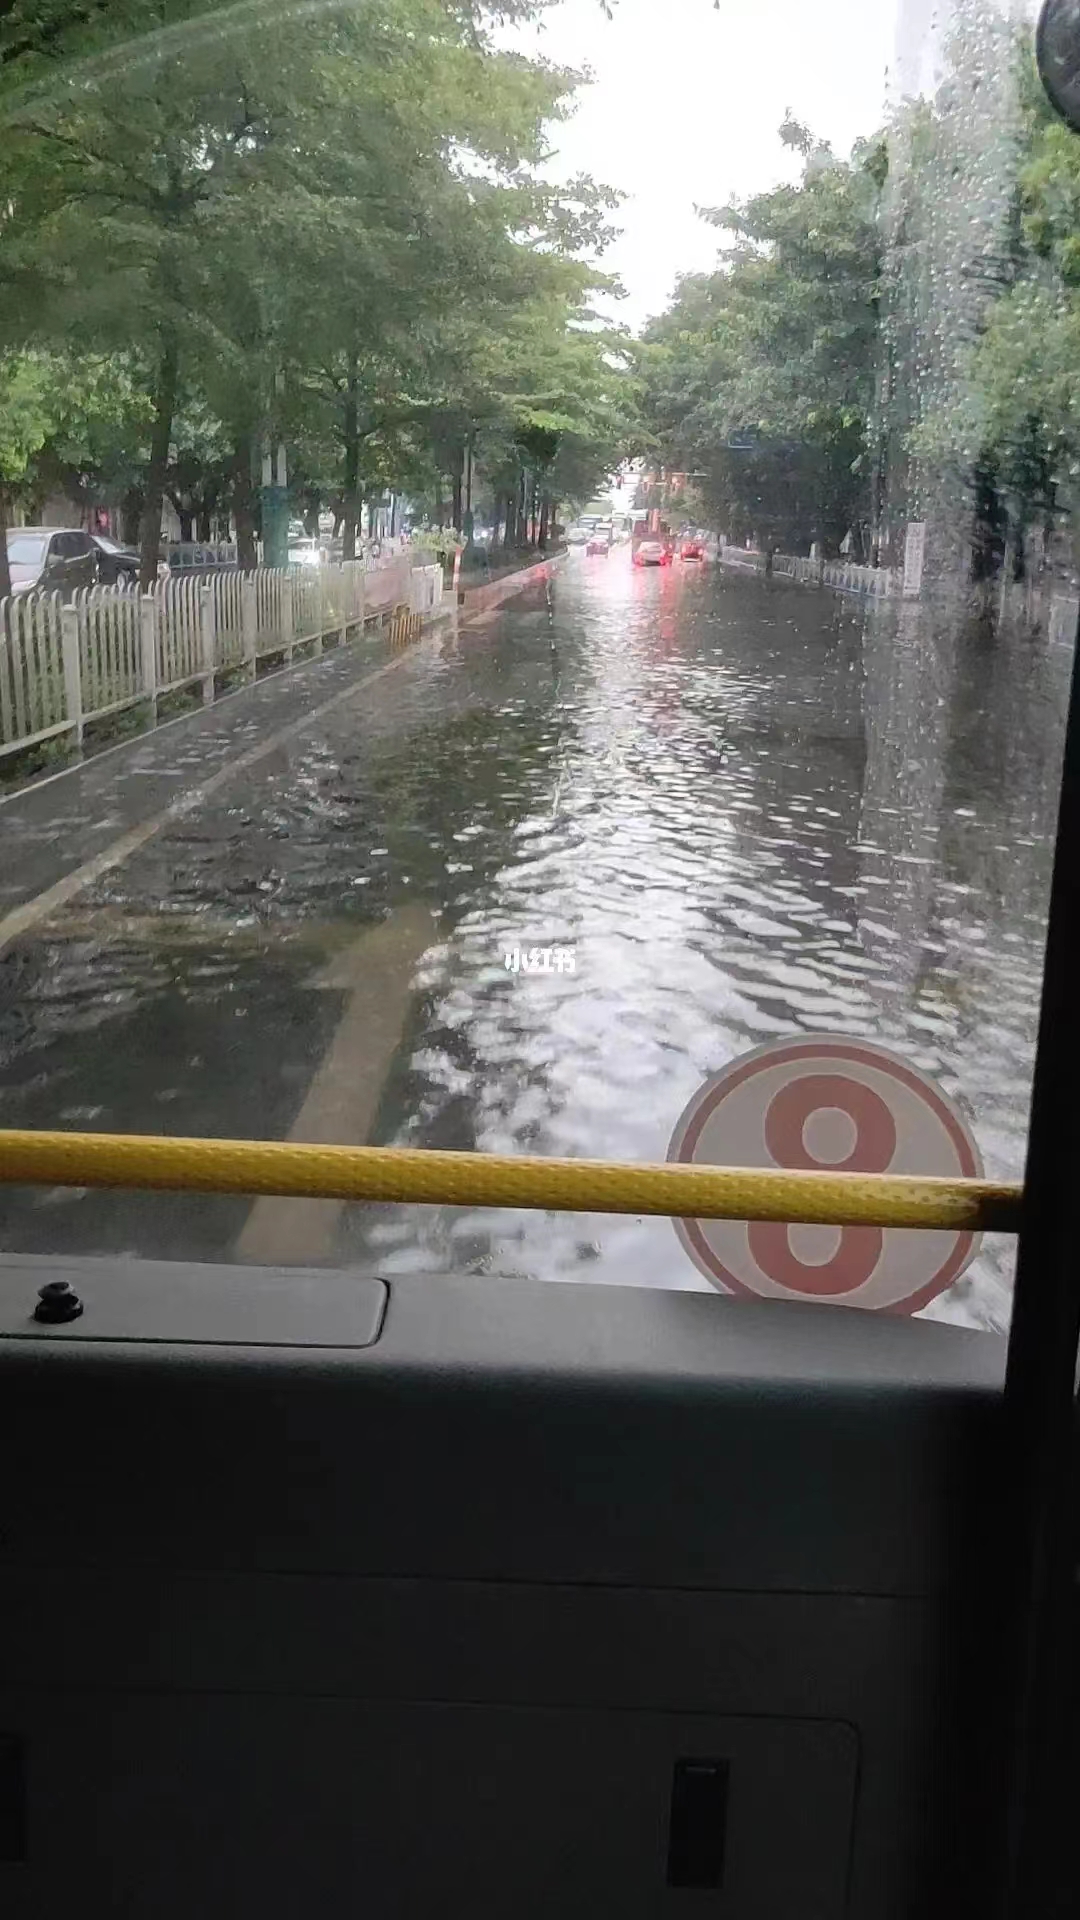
63,831
54,827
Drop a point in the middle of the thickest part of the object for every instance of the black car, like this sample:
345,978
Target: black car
50,560
116,566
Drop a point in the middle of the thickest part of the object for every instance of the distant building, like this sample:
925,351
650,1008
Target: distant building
922,34
949,241
919,64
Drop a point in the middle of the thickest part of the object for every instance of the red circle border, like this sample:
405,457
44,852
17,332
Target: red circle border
854,1052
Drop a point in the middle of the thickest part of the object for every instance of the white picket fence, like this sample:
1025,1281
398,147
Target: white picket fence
63,666
844,576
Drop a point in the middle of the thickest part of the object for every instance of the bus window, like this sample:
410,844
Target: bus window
511,845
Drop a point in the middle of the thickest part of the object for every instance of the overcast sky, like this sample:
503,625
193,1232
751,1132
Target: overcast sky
685,104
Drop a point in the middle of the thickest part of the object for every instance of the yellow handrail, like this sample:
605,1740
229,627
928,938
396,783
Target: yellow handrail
437,1178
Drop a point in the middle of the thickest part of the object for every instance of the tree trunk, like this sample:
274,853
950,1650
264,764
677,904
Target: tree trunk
545,508
130,516
511,522
351,443
204,527
164,407
5,571
187,521
440,504
243,503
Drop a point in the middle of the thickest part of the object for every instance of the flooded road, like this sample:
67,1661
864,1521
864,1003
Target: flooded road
743,808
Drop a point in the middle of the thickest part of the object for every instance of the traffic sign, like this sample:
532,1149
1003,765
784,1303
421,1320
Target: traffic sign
836,1106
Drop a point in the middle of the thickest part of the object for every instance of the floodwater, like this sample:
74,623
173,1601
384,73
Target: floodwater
746,809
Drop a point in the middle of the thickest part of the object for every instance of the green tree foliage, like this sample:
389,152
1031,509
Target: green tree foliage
65,422
1011,418
953,248
760,377
272,221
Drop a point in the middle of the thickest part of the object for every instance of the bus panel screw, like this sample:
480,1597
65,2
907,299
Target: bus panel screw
57,1302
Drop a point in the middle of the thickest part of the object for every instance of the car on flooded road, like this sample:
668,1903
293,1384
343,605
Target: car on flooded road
692,549
652,553
598,544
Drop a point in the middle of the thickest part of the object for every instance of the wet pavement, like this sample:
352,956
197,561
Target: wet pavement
56,825
747,810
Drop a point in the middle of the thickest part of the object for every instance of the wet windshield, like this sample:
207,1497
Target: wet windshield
681,421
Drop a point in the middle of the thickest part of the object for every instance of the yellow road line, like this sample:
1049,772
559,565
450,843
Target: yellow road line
375,978
436,1178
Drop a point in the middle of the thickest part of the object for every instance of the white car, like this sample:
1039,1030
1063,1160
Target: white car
305,553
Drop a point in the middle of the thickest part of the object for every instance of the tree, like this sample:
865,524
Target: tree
188,183
954,246
64,419
760,376
1007,427
28,400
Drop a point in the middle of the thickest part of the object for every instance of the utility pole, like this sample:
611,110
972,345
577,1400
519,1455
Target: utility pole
275,488
467,517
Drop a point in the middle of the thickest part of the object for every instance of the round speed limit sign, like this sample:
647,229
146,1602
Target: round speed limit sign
833,1106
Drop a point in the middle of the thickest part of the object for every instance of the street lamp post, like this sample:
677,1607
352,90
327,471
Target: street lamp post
274,493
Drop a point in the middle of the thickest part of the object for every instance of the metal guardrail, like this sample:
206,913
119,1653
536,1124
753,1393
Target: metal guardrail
843,576
64,666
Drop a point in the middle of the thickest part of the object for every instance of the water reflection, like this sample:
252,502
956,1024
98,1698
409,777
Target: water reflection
748,811
778,817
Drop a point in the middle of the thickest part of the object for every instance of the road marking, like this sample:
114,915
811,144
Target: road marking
21,919
376,973
175,930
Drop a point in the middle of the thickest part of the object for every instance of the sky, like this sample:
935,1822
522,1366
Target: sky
684,107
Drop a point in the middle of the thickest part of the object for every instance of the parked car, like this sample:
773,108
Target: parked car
652,553
50,560
306,552
116,565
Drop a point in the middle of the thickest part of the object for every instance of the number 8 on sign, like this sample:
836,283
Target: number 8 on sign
838,1106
